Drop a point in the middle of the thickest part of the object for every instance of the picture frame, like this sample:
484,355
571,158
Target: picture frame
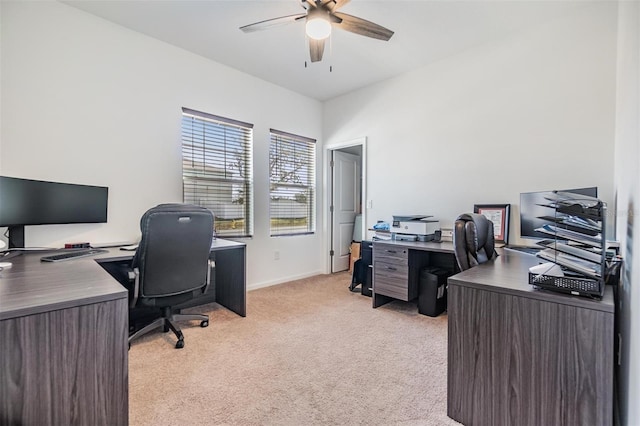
499,215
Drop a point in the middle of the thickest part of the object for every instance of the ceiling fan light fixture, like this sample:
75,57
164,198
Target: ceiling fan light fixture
318,28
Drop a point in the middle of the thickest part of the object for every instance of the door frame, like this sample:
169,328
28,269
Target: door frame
328,185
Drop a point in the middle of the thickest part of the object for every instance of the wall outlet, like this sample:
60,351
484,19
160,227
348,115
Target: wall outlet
276,255
369,204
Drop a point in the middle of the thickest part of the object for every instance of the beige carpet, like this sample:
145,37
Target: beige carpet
308,352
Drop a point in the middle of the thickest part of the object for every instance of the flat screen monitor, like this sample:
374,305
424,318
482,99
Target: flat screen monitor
26,202
532,208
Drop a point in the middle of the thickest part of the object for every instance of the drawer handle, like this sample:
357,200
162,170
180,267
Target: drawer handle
391,268
391,251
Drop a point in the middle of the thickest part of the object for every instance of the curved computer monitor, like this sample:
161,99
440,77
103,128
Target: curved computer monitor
532,208
26,202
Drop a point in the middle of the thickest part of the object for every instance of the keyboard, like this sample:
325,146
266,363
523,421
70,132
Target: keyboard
522,249
72,255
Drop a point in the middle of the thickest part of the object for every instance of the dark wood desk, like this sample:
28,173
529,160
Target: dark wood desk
397,265
64,344
519,355
64,330
228,284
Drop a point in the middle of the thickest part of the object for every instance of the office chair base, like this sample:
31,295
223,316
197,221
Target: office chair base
191,317
167,323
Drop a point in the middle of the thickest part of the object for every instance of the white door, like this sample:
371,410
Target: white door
346,204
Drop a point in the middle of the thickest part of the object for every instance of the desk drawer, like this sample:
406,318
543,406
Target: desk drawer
390,270
391,280
391,254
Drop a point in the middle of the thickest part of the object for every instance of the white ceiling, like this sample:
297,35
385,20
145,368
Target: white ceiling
425,31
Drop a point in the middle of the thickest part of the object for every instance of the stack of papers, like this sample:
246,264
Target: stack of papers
381,236
575,264
594,241
562,198
548,269
593,256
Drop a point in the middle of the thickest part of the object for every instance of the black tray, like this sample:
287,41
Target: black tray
577,286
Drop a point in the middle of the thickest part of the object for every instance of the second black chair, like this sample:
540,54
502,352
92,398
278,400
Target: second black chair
473,240
171,264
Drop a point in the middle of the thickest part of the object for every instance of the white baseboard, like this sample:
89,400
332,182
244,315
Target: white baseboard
263,284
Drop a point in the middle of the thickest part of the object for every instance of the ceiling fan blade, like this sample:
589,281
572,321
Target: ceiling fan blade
334,5
362,27
263,25
334,19
316,49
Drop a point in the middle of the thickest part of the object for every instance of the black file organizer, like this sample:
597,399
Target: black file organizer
576,281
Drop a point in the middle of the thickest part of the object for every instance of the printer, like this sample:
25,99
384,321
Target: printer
415,228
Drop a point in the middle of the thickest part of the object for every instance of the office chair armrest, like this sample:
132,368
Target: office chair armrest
134,276
212,265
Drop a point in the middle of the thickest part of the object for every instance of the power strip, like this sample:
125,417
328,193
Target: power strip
77,245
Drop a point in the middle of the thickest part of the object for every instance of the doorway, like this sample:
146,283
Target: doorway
345,170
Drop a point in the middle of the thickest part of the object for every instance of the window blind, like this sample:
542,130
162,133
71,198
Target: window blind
217,170
292,163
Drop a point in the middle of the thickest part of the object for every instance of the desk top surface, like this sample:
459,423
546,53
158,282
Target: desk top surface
31,286
509,274
442,247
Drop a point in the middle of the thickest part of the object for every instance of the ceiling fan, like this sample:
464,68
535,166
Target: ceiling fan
320,16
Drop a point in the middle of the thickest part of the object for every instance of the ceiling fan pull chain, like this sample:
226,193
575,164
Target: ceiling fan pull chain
330,52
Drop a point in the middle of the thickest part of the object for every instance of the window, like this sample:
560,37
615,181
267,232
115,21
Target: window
216,170
292,163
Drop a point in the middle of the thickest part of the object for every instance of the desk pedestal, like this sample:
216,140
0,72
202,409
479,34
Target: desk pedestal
229,286
397,266
66,367
522,356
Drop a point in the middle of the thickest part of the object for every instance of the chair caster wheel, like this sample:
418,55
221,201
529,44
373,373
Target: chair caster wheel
204,323
180,344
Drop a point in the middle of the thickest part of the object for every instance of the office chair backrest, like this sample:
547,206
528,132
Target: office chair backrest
473,240
173,254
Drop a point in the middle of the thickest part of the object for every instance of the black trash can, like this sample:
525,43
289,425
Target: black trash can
432,296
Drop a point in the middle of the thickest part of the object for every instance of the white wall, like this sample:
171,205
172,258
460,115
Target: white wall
627,182
531,112
87,101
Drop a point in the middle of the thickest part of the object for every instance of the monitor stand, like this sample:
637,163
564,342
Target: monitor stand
16,242
16,236
9,254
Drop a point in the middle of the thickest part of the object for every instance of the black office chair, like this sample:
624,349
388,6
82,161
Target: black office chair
473,240
171,264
